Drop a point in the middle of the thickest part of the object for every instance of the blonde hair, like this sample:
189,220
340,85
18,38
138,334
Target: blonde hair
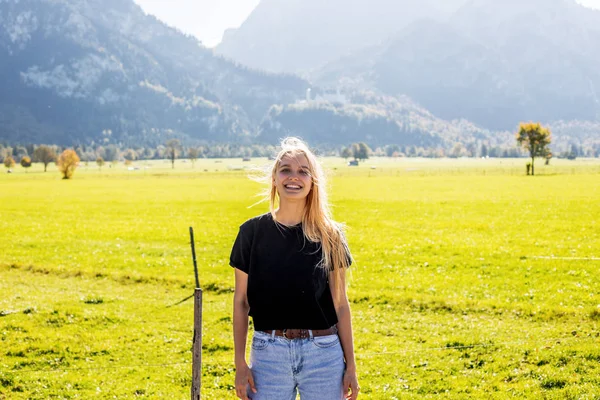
317,223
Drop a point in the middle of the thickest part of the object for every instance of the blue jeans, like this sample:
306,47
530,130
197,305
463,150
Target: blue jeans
282,367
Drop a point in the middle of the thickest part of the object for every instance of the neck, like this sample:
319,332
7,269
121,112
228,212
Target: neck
290,213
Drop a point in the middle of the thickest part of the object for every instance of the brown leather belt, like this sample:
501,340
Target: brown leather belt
302,333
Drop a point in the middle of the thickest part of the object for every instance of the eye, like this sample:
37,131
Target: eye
304,172
284,170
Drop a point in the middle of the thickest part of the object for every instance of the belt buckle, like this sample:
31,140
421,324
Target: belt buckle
285,334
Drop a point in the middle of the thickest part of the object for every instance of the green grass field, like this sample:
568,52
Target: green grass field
470,279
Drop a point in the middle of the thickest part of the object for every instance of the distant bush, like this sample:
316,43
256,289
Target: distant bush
67,163
25,162
9,162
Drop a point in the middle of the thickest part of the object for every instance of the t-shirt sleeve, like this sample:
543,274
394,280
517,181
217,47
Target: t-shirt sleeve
349,256
240,253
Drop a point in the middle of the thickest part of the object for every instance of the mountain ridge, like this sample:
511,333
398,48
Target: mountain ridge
101,73
456,69
494,63
92,66
318,31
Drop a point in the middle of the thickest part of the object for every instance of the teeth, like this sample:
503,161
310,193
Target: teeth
292,187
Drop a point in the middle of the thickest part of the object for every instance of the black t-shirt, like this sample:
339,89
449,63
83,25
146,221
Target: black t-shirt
286,287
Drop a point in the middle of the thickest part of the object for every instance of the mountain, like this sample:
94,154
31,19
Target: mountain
83,72
301,35
103,71
494,63
376,119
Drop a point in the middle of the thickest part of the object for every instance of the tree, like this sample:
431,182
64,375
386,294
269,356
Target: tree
172,150
44,154
25,162
9,162
67,163
100,162
361,151
391,149
535,139
193,155
111,153
100,152
457,151
130,155
483,150
346,153
20,152
572,155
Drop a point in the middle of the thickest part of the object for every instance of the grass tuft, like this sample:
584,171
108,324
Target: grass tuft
553,383
6,380
217,288
93,300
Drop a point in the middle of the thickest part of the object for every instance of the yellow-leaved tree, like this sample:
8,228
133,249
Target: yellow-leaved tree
535,139
9,162
26,162
67,163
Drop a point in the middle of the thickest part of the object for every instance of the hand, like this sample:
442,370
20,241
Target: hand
350,385
243,378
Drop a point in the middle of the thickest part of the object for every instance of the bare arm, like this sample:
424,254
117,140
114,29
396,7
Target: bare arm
344,325
243,376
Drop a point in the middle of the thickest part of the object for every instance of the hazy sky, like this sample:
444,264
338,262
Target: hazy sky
208,19
590,3
205,19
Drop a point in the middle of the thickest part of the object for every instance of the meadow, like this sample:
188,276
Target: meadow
470,280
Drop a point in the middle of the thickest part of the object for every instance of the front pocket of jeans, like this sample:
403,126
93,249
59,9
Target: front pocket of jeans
326,341
259,344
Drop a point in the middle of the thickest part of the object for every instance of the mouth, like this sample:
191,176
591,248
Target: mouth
293,187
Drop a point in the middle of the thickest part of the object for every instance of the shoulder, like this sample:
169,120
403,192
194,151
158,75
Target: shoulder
255,223
343,243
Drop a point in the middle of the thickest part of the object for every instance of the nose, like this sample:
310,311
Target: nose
294,175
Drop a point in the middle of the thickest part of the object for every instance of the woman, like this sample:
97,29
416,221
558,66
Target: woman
290,269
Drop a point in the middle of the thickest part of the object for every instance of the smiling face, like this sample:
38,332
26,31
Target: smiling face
293,178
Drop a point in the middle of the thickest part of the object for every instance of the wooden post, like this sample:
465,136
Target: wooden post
197,344
197,347
194,257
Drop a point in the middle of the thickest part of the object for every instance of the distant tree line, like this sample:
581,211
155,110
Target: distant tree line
173,149
457,151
